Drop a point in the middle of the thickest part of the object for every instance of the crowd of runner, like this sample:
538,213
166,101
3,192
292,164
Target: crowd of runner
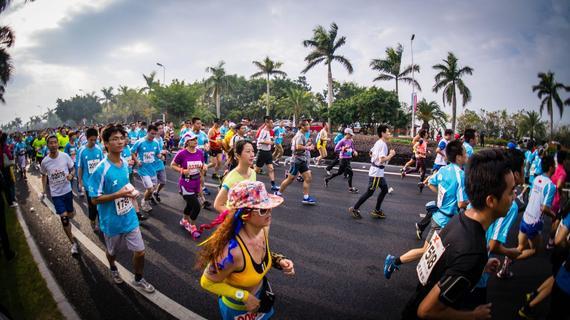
477,195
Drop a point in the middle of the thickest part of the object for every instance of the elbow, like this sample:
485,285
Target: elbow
424,311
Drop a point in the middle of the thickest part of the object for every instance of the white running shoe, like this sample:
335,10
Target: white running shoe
74,249
144,285
116,277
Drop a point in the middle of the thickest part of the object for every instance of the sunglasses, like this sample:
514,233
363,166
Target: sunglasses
259,212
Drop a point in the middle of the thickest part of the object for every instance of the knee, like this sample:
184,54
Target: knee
308,179
64,220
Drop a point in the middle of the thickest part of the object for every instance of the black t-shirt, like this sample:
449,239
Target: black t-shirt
465,255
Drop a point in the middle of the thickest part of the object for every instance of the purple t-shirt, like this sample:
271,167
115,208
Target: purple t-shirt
347,153
189,183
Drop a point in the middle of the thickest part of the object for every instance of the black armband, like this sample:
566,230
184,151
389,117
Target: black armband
275,259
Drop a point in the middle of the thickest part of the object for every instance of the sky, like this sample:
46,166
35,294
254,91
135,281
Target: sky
64,48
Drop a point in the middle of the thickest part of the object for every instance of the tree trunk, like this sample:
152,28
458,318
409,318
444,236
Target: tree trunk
397,95
551,118
294,120
453,108
218,113
267,109
330,93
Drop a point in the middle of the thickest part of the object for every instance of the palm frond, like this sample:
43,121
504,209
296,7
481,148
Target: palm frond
312,64
344,61
384,77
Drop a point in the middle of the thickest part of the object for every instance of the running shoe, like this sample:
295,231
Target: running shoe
353,190
310,201
328,172
390,266
143,285
156,197
355,213
403,174
194,232
207,204
116,276
206,191
274,188
326,182
185,224
421,186
418,232
74,249
278,193
378,214
152,200
142,216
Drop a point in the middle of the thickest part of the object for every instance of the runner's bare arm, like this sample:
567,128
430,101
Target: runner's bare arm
432,308
111,197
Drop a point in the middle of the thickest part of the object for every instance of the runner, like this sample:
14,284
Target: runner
71,150
159,163
242,156
539,204
237,258
469,141
145,153
89,157
62,138
346,151
378,159
39,146
339,136
264,156
203,145
457,261
300,164
449,184
413,159
142,130
441,158
189,162
279,133
420,148
20,150
322,141
57,170
110,190
215,139
133,134
239,134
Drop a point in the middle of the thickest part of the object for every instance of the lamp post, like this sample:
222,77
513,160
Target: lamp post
413,89
163,72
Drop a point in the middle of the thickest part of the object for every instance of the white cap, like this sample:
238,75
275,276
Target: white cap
348,131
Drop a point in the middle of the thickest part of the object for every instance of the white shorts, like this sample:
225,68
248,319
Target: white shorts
148,181
132,239
161,176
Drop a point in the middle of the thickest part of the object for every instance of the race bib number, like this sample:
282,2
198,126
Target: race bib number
428,261
148,157
57,177
249,316
123,205
194,167
91,164
532,169
440,195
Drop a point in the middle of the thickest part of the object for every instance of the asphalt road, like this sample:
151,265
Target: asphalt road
338,260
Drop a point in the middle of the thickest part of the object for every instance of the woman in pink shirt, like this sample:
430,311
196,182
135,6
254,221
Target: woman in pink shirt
559,179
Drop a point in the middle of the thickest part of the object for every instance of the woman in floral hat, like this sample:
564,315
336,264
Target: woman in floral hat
236,257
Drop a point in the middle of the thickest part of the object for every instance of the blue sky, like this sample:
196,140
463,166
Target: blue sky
65,46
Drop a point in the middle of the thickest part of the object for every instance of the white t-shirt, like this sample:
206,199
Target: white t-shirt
380,149
541,194
439,159
56,171
264,135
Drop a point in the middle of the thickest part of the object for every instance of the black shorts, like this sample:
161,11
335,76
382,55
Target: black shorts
299,166
214,153
263,157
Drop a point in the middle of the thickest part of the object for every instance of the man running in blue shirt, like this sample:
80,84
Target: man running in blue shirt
145,152
111,191
88,158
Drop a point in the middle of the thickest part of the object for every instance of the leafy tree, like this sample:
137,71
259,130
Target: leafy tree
134,105
324,46
6,68
530,123
216,83
390,68
469,120
177,99
267,68
298,103
151,82
431,114
77,108
449,79
547,90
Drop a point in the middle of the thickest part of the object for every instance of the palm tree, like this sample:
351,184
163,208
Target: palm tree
431,112
389,68
531,123
108,95
6,68
150,81
448,78
548,88
217,82
324,45
296,101
267,68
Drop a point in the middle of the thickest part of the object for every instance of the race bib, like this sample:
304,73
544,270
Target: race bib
148,157
133,140
194,167
91,164
440,194
123,205
429,259
57,177
249,316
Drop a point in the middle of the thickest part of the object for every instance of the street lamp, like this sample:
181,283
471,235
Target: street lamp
413,89
163,72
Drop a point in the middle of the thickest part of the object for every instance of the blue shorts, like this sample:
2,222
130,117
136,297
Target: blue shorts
229,313
531,230
63,203
437,167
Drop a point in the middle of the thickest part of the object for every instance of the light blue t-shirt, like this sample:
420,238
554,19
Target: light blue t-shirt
117,216
468,149
159,164
142,133
147,153
133,136
126,156
223,131
450,183
20,149
87,160
279,134
535,168
202,139
528,157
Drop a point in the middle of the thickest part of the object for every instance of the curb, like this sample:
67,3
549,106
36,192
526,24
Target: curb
62,303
